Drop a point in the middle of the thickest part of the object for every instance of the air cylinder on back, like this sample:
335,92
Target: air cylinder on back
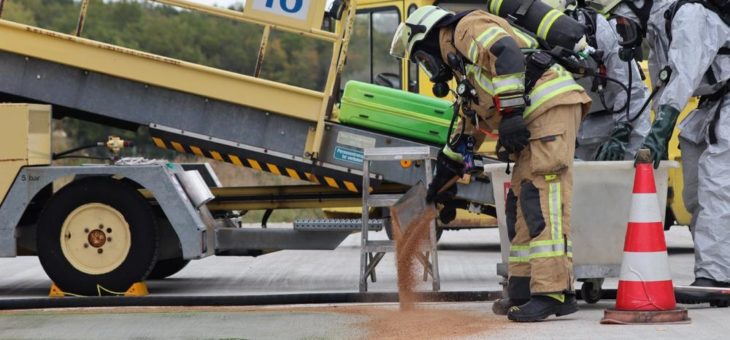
545,22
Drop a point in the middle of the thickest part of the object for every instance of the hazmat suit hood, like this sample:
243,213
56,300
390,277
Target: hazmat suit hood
656,12
655,37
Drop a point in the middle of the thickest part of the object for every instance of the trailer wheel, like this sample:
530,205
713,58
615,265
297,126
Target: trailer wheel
669,218
97,236
167,268
720,303
591,290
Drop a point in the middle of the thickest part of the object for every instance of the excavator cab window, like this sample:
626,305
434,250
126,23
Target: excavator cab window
368,57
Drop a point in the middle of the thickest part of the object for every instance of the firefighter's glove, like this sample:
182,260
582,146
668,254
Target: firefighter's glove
513,133
660,133
447,214
446,170
614,148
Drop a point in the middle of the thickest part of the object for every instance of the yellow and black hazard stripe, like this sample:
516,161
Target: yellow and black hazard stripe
259,161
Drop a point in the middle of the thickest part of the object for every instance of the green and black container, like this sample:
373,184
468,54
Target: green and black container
401,113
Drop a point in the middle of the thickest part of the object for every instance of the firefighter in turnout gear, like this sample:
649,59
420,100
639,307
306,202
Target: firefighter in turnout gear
536,107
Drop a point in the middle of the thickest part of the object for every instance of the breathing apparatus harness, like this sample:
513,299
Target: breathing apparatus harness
632,35
538,61
600,81
428,56
722,9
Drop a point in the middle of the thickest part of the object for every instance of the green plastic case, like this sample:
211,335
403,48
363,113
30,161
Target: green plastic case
396,112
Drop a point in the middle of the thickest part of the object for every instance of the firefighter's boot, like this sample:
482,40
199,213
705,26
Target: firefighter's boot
541,306
501,306
518,289
695,297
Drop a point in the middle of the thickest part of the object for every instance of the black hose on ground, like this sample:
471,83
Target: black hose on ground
240,300
254,300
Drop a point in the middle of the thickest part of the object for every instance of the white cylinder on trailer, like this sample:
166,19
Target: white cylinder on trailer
195,187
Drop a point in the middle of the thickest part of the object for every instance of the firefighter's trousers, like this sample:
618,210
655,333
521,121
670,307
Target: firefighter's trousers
538,206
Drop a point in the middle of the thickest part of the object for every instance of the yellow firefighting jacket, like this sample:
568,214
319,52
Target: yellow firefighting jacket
496,68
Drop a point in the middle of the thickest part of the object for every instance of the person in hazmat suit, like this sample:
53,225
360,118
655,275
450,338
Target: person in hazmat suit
482,51
689,45
617,124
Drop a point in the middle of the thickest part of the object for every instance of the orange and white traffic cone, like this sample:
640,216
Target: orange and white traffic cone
645,289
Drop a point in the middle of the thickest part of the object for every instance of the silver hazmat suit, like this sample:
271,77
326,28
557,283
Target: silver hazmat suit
598,125
697,36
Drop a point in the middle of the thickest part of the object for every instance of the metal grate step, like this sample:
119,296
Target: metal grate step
335,224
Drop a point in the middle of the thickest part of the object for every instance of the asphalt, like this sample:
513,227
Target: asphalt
467,262
341,322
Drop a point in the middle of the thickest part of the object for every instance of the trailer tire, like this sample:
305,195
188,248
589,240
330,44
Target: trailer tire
167,268
591,291
669,218
100,210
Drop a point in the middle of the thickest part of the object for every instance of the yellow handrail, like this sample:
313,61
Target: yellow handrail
313,32
82,17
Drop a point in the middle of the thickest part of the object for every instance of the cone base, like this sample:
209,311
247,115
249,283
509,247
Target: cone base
645,296
623,317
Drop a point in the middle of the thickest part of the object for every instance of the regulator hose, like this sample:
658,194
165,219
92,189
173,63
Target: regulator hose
87,146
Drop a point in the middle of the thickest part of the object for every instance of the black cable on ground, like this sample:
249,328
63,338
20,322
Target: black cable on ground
240,300
254,300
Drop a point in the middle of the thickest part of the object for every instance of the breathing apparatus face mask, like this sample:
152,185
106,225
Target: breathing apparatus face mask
642,13
629,31
436,70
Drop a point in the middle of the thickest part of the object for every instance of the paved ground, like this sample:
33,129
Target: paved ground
464,320
467,261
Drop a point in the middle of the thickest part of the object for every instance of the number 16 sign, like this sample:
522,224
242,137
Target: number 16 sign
293,13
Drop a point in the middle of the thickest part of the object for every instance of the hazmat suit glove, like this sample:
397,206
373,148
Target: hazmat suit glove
513,133
614,149
661,131
442,187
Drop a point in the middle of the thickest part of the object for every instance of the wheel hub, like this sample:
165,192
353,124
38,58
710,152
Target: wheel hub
97,238
86,238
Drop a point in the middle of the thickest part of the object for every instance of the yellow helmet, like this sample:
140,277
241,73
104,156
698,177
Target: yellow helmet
415,29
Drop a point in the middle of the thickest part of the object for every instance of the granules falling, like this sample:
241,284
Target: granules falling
411,219
409,247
